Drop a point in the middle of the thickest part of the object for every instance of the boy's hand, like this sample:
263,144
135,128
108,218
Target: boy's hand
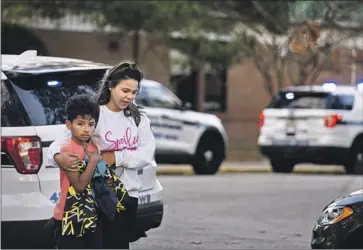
109,182
93,156
109,158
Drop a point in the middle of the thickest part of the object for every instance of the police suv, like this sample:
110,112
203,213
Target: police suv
182,136
33,95
314,124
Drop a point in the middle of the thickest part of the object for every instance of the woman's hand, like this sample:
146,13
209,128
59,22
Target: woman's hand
109,158
67,161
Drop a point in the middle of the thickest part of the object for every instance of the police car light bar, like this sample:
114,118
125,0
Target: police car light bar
360,86
54,83
289,96
330,86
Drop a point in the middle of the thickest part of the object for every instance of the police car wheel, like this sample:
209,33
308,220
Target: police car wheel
355,163
209,155
281,166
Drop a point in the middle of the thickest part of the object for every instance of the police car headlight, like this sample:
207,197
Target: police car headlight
333,215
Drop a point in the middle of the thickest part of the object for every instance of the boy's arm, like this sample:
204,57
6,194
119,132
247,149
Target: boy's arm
80,181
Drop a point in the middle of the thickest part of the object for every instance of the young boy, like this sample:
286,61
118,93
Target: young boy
75,212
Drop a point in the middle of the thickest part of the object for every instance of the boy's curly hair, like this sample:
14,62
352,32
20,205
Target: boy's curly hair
81,105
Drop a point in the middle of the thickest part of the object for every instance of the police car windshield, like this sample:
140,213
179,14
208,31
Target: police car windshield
311,100
44,96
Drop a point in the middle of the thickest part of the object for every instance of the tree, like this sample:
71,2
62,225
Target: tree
224,18
195,40
284,44
152,17
207,32
260,31
156,18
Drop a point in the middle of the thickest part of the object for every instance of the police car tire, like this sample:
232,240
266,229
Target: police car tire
281,166
358,168
355,163
201,166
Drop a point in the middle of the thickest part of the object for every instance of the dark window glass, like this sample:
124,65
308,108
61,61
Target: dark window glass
141,98
10,112
312,100
344,102
161,97
215,89
44,101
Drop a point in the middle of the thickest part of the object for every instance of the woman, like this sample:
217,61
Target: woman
124,138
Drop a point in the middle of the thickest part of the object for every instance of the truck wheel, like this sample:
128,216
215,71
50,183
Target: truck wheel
209,155
281,166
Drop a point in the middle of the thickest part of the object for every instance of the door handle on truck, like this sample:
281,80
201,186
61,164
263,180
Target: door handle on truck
165,117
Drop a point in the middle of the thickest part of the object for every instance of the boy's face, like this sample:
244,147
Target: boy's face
82,127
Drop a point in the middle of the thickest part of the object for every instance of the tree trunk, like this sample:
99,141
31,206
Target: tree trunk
280,68
200,88
136,46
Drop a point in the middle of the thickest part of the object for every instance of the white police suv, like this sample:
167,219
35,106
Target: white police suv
33,95
314,124
182,136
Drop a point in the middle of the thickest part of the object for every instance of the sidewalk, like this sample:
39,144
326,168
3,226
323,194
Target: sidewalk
250,167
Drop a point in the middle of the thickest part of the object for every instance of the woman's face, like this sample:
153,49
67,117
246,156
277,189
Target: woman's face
124,93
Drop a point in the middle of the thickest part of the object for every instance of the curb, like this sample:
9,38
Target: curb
177,170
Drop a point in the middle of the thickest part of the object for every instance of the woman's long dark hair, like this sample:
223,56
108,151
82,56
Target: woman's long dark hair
112,77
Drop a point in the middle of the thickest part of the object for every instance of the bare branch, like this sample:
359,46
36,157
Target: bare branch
331,6
266,76
290,74
267,15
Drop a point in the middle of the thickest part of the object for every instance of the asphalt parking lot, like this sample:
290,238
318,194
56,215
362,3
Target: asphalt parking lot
244,210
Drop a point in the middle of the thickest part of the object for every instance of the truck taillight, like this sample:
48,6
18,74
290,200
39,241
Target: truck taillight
25,152
261,120
331,121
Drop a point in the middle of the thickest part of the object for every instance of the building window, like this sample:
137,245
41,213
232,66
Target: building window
215,90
